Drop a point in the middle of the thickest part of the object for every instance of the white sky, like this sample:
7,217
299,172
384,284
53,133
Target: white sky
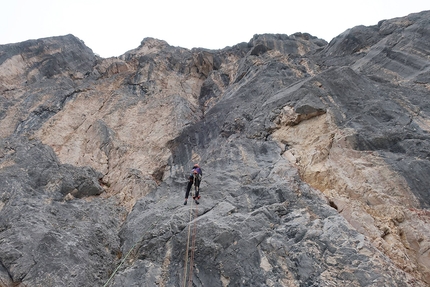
110,28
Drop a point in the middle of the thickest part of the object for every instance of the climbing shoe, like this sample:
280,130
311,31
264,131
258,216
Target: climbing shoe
185,202
196,201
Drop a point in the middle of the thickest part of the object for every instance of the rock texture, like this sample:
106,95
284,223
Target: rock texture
315,158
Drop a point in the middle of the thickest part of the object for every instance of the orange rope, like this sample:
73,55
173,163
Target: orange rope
193,248
193,242
186,252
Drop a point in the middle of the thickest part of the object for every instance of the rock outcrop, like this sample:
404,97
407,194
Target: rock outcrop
315,158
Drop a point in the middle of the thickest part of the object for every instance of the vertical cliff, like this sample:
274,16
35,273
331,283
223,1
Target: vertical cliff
315,158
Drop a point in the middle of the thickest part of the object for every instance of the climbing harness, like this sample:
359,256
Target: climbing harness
191,236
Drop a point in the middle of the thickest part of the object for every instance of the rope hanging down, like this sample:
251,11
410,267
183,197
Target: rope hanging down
131,249
193,246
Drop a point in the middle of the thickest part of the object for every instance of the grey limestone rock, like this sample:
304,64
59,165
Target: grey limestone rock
47,238
315,161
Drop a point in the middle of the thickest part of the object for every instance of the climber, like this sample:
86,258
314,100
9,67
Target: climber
195,178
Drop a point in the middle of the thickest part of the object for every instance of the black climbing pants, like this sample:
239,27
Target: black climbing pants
196,182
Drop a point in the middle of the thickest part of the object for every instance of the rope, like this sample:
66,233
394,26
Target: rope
188,244
131,249
193,242
193,248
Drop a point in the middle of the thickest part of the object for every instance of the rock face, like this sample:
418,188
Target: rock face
315,157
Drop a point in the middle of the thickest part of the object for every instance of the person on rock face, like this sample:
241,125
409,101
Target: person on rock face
194,178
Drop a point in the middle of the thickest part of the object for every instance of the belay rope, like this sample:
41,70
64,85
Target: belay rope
131,249
193,247
153,225
192,236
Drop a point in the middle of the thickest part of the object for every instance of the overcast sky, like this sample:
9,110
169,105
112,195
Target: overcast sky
110,28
